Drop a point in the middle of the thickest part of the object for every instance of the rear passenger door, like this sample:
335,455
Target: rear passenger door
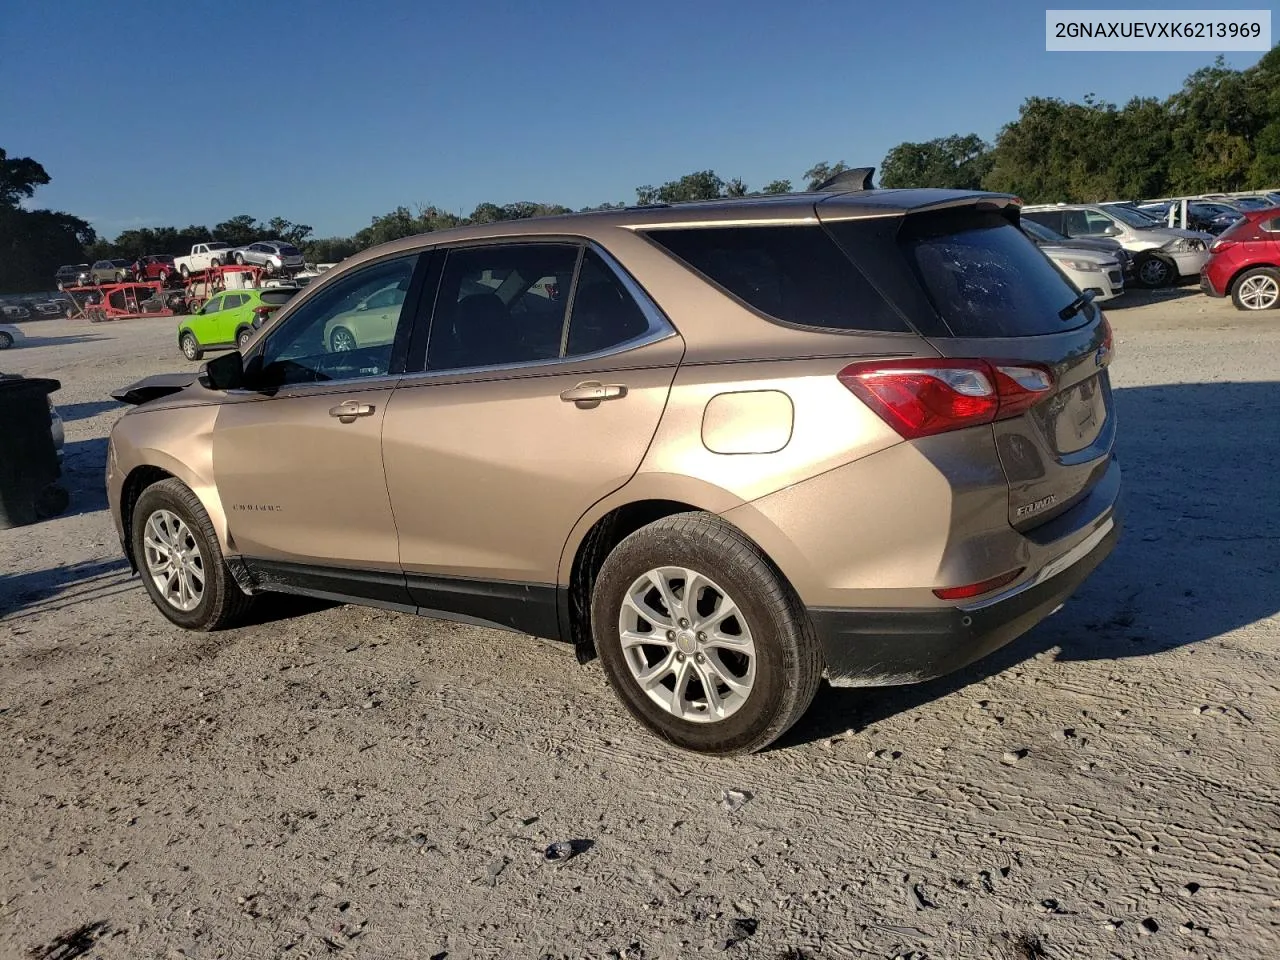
546,373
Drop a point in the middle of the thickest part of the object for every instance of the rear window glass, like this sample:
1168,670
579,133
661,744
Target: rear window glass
288,250
277,297
985,278
796,274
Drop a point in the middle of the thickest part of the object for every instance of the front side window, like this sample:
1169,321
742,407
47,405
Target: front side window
334,335
213,306
501,304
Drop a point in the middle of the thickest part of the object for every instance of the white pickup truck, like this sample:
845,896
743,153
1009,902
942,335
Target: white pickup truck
202,257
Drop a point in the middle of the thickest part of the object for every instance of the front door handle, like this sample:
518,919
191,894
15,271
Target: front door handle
348,410
592,392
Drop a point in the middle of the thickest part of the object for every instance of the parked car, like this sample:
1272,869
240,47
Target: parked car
1208,216
274,256
741,448
226,321
10,336
14,313
1249,204
1095,273
202,257
1043,237
371,321
155,266
47,309
72,275
1162,255
1244,262
110,271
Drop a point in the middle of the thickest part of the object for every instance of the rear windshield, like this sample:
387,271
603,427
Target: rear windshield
277,296
984,277
796,274
287,249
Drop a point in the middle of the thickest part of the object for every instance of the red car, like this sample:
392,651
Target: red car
154,267
1244,262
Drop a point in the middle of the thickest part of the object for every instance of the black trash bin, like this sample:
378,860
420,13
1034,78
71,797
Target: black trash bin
29,470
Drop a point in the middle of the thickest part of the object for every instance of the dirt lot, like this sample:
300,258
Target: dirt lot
346,781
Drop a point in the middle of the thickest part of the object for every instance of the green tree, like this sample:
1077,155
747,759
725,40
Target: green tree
330,249
957,162
238,230
702,185
777,186
282,229
820,172
19,178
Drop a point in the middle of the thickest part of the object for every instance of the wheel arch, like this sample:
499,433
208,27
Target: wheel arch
156,465
1235,277
646,499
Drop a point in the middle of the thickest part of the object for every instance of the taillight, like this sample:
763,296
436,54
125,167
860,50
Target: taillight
922,397
1219,245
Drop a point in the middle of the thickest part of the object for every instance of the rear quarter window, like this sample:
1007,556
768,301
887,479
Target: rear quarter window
796,274
985,278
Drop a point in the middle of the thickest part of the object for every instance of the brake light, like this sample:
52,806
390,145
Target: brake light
1219,245
979,588
922,397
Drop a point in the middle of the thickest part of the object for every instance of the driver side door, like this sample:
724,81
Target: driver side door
298,459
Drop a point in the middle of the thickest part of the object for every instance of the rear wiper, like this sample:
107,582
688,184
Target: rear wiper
1076,305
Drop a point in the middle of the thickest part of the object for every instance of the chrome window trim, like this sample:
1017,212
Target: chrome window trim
660,327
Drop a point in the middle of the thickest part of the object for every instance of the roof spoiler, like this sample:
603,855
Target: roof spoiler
848,181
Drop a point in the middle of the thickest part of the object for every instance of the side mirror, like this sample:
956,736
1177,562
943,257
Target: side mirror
1111,231
225,372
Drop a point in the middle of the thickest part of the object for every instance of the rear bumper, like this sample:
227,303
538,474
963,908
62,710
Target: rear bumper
887,647
1207,287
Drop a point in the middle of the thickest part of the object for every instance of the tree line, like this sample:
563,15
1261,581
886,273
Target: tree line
1219,132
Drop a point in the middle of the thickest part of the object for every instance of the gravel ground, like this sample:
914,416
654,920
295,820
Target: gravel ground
342,780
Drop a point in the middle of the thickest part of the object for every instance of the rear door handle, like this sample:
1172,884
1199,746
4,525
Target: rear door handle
348,410
592,392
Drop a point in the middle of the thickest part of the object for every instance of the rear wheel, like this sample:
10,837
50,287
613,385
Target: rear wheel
184,271
341,339
243,336
702,640
190,346
6,340
180,561
1257,289
239,259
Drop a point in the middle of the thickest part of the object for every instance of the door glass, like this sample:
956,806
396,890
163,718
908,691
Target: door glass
1097,224
213,306
501,304
604,314
334,336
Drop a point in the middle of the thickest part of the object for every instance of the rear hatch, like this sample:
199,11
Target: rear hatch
976,288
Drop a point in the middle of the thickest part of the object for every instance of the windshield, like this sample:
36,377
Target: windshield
1132,217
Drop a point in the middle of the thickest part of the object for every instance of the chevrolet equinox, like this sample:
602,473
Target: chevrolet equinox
730,447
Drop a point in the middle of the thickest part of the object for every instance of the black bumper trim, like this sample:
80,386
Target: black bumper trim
890,647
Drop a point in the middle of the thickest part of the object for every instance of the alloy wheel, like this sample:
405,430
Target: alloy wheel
174,560
1259,292
687,644
341,340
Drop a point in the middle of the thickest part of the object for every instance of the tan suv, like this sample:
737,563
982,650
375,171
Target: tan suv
731,447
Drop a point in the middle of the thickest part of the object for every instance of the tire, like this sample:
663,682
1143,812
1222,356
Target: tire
168,515
240,259
1154,272
778,679
190,346
184,271
341,339
6,340
243,337
1257,289
164,278
215,261
52,501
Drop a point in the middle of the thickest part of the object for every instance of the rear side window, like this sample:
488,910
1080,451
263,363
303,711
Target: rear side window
985,278
604,313
795,274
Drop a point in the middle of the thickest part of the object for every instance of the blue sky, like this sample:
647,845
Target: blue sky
329,112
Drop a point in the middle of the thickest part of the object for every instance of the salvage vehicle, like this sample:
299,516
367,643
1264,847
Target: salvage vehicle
155,266
274,256
111,271
729,447
1244,263
1162,255
72,275
227,320
202,257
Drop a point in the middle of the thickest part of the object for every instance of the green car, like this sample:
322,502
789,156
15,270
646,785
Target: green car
227,320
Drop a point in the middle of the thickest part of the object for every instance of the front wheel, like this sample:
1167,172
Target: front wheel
6,340
184,271
239,259
180,561
701,638
1257,289
1155,272
190,346
341,340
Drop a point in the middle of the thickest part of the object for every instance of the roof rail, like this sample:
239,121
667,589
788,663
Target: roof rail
848,181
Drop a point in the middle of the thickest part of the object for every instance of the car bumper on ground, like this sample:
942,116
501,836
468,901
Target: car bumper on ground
886,647
1207,287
